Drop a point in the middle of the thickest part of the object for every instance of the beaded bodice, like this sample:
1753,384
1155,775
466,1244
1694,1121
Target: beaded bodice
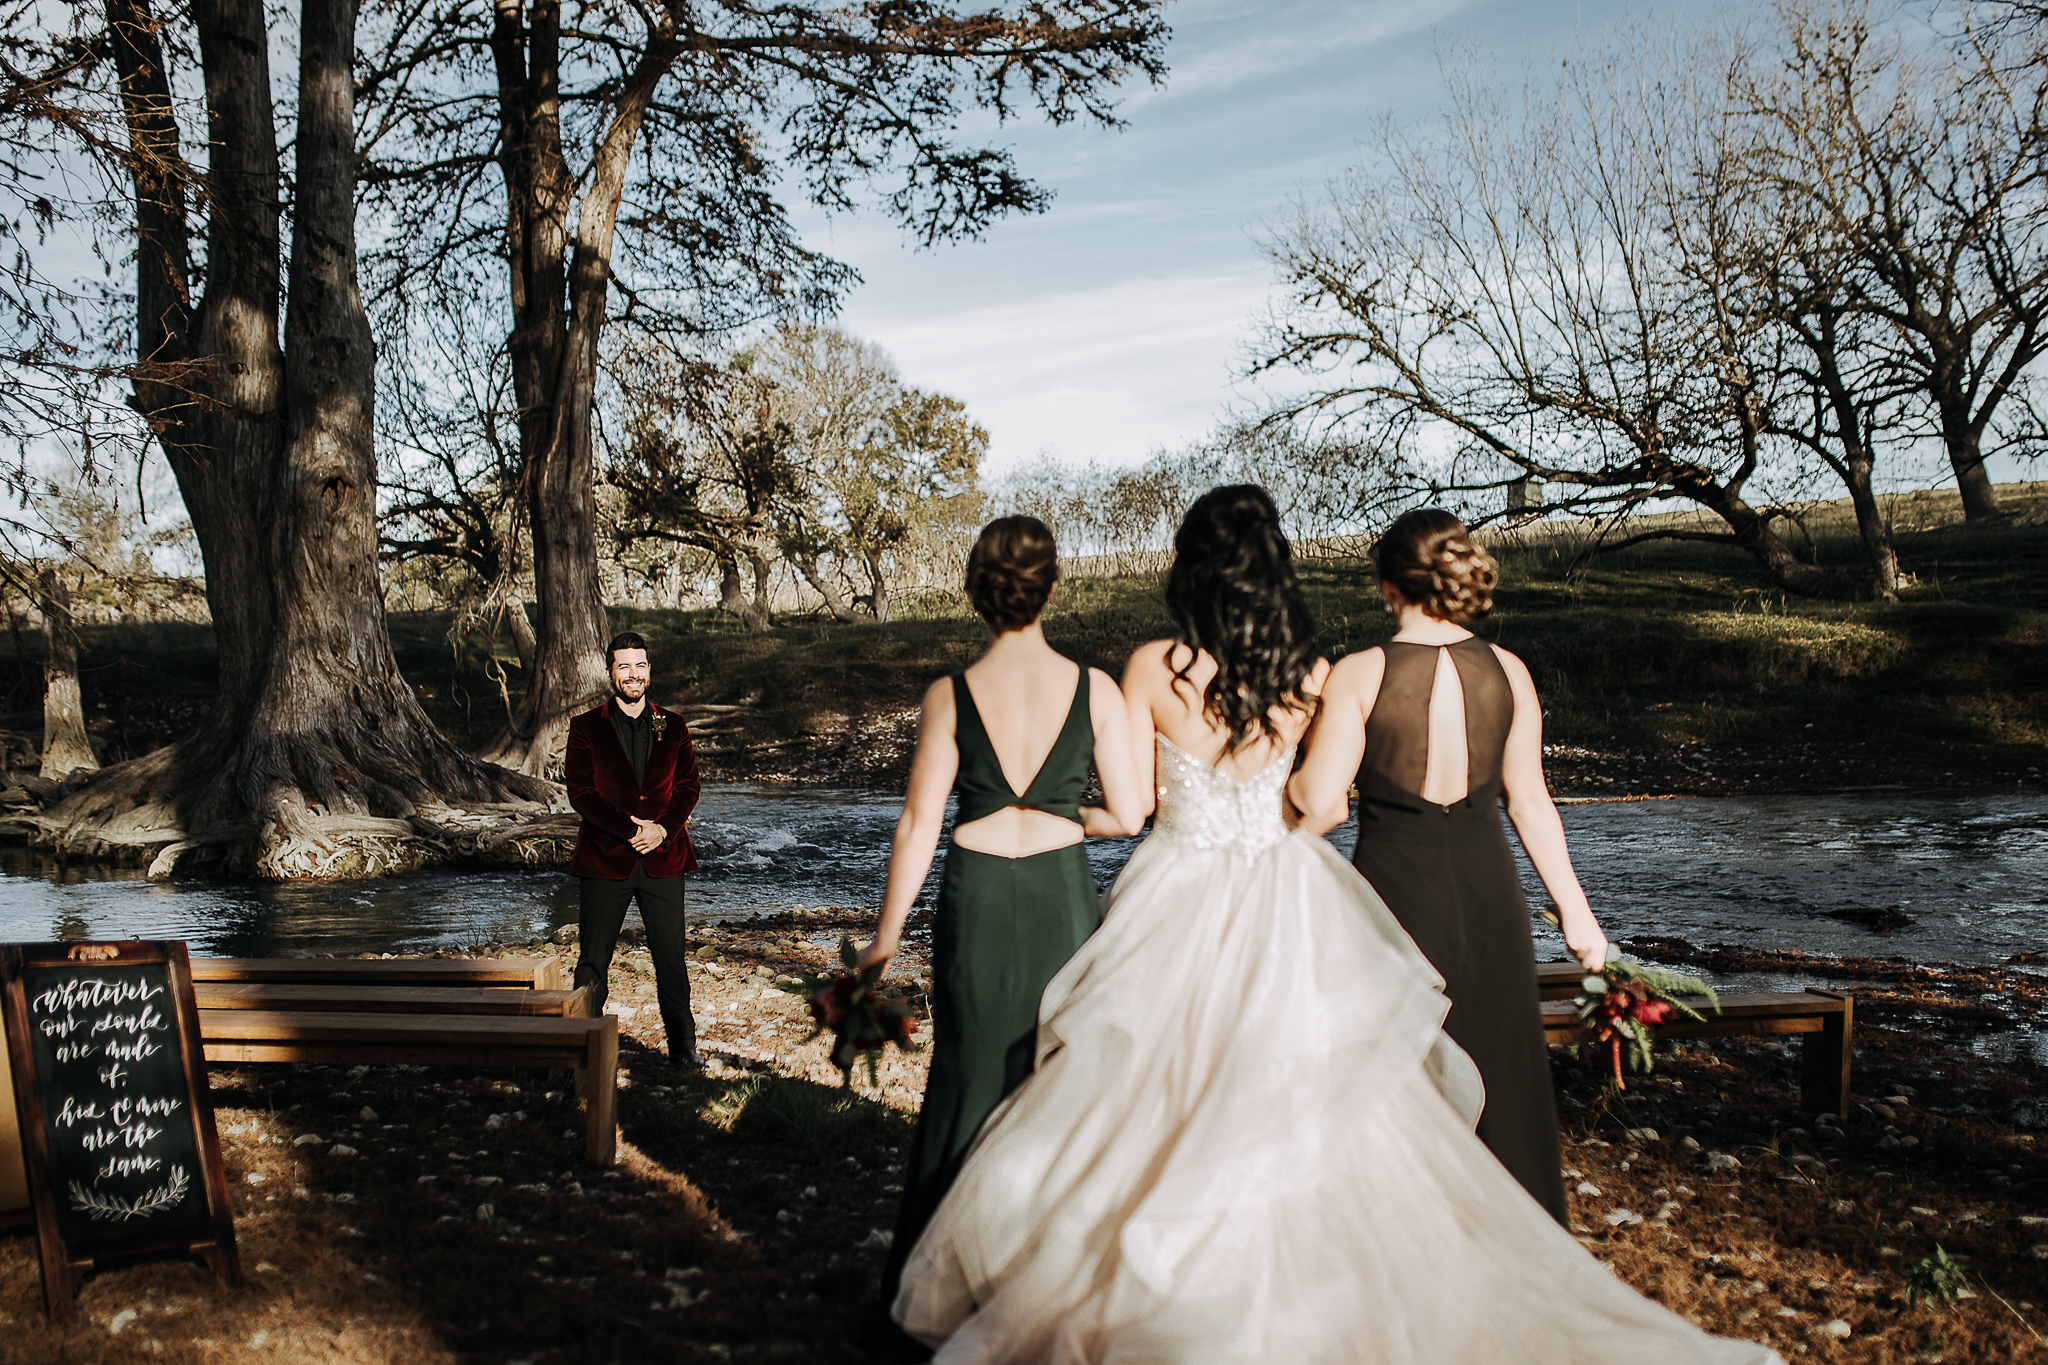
1203,808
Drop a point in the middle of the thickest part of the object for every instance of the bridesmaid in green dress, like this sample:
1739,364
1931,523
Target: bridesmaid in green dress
1014,735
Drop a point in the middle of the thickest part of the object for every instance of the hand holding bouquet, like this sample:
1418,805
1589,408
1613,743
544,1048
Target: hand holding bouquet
1625,1000
862,1019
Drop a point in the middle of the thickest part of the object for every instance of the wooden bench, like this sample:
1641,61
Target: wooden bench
590,1046
1827,1018
499,973
236,995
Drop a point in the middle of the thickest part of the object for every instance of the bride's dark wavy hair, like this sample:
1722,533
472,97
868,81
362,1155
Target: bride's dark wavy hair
1232,592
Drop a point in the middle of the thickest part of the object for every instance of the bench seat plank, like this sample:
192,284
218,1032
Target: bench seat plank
1826,1016
590,1046
245,995
529,973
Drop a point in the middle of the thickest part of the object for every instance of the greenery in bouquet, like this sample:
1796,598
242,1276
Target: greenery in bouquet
1621,1005
862,1018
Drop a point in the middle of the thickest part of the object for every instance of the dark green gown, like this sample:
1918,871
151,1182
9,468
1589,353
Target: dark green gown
1447,875
1003,928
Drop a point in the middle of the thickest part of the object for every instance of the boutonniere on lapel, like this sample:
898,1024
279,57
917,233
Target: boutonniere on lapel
659,722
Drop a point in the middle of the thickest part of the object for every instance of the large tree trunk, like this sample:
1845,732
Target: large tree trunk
1748,529
315,757
559,289
1753,533
1964,440
1855,458
66,746
1881,559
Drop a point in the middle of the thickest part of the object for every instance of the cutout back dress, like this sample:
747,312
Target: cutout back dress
1446,873
1003,927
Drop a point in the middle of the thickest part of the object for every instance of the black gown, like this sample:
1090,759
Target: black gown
1447,875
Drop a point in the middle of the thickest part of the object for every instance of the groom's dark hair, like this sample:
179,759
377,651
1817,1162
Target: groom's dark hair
630,639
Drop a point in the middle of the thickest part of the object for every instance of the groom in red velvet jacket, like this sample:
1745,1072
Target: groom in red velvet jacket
632,776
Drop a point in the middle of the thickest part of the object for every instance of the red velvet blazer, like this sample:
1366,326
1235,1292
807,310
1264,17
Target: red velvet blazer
602,789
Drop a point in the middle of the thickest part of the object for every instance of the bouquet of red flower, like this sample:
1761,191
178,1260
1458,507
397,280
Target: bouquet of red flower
1624,1000
862,1018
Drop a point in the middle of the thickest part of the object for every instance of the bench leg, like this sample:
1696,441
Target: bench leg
601,1095
1824,1062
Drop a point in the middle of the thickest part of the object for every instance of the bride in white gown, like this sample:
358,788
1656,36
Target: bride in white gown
1248,1139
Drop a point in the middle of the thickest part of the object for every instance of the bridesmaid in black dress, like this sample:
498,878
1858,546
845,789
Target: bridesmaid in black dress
1014,737
1437,729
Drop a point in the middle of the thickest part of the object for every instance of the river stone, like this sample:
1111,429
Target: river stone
568,933
1836,1328
1721,1161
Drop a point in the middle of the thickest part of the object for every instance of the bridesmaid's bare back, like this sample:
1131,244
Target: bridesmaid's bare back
1023,691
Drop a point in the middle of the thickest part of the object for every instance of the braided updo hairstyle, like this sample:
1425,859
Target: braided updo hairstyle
1430,559
1232,592
1011,570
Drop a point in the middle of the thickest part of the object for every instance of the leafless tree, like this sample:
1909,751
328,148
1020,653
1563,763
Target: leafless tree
1930,167
1497,297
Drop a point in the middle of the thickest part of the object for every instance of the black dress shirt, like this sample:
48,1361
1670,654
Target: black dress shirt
636,736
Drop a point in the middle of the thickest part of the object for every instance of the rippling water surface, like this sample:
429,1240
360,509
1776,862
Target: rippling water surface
1962,877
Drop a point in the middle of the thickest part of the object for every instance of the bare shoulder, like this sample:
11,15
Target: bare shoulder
938,698
1517,671
1318,680
1101,685
1148,665
1357,671
1151,654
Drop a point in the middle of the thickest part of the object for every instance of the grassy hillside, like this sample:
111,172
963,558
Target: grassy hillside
1659,650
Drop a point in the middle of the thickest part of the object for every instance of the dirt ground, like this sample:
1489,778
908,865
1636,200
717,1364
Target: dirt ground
406,1214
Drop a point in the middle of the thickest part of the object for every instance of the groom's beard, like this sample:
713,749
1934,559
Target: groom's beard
641,695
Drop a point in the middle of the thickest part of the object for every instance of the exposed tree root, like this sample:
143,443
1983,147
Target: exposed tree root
306,844
270,805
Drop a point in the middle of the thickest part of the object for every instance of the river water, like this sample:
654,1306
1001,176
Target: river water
1933,877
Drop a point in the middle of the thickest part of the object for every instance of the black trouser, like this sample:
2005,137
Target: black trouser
603,912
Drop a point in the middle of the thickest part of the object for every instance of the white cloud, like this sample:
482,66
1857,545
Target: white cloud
1109,373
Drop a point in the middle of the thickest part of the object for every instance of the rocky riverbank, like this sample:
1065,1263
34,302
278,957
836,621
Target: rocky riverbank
407,1214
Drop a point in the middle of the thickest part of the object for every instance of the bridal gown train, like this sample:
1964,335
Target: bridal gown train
1249,1140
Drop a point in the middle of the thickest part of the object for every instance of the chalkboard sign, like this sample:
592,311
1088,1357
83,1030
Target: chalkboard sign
116,1122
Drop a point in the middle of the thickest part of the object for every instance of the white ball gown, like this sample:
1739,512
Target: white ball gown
1248,1140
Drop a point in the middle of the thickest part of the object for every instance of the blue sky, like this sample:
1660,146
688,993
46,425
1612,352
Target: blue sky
1117,322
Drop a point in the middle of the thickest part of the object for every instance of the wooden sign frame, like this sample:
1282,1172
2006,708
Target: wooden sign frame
64,1266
